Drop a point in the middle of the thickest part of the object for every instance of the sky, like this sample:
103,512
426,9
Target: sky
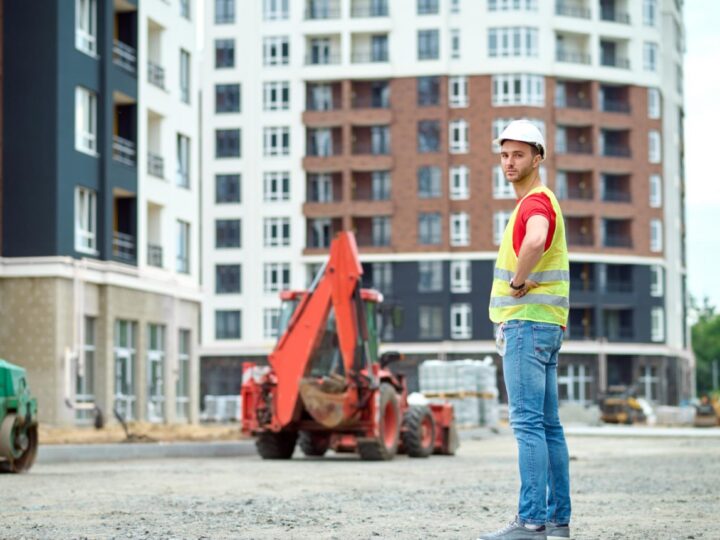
702,142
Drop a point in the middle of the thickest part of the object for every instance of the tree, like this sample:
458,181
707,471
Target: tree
706,344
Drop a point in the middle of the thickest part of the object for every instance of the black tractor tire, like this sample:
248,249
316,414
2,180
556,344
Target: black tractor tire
385,446
26,458
313,444
418,435
451,441
280,445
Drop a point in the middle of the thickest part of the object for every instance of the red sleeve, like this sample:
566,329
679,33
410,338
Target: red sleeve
537,204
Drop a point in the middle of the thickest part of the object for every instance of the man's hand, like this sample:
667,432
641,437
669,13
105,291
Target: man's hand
529,284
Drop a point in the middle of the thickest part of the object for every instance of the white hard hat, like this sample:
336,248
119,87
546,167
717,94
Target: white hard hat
523,131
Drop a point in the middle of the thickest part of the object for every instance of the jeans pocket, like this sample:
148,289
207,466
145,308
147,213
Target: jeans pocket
546,340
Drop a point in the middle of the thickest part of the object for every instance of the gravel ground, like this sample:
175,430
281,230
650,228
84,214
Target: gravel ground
622,488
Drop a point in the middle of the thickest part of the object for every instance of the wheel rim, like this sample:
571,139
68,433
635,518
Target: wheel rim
390,425
426,432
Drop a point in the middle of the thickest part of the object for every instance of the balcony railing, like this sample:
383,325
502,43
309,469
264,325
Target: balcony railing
369,8
156,74
124,151
367,57
616,150
322,59
617,61
615,105
375,149
616,195
619,286
124,246
620,334
367,101
580,285
613,15
322,12
125,56
579,239
569,9
156,165
155,255
579,331
572,57
574,147
578,193
617,240
573,102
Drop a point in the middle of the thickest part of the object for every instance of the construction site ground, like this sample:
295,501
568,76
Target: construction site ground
624,488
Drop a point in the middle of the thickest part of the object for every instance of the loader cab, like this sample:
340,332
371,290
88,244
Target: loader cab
289,301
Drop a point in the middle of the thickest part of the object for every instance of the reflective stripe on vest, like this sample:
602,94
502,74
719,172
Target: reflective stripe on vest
549,301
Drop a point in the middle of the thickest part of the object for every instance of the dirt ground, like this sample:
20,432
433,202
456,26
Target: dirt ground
622,488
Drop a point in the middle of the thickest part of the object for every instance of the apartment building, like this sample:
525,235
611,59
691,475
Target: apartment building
377,116
99,276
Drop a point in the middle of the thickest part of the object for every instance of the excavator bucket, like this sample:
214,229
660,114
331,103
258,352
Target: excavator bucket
325,399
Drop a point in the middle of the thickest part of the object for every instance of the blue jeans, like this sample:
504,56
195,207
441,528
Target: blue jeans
530,371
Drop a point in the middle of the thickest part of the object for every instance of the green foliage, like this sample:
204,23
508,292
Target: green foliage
706,344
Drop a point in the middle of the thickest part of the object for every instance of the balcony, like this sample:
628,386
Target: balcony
572,57
125,56
615,143
373,140
579,231
614,99
572,48
156,75
369,48
323,96
370,95
616,188
322,9
324,142
618,324
123,151
617,233
124,247
156,165
324,187
581,324
372,231
369,8
572,9
573,95
574,140
321,231
574,185
323,51
610,11
371,186
155,255
614,54
618,278
581,277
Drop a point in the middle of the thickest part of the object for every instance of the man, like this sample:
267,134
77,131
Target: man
529,304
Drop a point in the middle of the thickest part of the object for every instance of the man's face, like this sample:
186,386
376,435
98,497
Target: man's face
518,161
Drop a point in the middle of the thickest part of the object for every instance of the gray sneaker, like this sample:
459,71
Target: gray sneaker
516,531
557,532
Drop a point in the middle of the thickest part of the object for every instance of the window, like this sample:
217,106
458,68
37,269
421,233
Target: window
227,188
511,5
85,220
125,355
460,277
428,7
518,89
155,359
657,324
381,277
430,276
85,121
224,53
86,26
428,91
379,140
428,44
428,182
228,324
276,96
276,186
653,97
428,136
454,6
459,229
655,191
276,51
276,232
499,124
227,98
276,277
228,233
321,231
381,231
227,143
679,78
512,41
459,143
183,161
459,183
321,52
654,147
455,43
430,322
502,189
657,280
184,76
650,55
320,142
185,9
458,91
182,388
500,221
182,260
320,187
320,97
380,185
228,279
649,12
461,321
276,141
85,373
379,48
271,318
574,383
275,10
224,11
429,228
656,235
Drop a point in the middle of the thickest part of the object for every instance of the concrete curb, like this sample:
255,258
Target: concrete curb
643,432
68,453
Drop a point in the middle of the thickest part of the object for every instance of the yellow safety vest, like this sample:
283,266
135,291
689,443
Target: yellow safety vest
550,301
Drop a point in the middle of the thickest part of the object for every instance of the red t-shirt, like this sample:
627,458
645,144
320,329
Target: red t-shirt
537,204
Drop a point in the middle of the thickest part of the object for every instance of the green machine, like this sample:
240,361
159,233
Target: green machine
18,420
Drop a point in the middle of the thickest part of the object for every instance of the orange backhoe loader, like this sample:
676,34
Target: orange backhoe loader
327,388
